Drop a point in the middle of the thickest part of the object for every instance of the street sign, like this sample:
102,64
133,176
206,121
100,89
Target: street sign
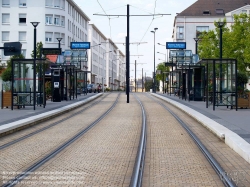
79,45
12,48
175,45
51,51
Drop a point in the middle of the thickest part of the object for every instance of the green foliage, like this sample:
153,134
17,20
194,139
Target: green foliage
39,45
48,88
234,43
148,85
242,78
7,73
163,69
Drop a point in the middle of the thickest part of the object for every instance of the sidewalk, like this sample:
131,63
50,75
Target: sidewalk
9,116
236,121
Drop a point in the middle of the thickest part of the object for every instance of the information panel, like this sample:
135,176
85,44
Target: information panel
51,51
175,45
79,45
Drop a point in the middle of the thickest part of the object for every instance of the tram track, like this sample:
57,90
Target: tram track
19,139
213,162
58,149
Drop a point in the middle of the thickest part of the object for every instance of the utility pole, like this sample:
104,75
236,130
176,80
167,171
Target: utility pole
127,43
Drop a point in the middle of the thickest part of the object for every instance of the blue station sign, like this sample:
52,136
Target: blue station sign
176,45
79,45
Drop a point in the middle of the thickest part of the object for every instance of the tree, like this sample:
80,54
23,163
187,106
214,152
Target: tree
161,67
7,73
39,45
234,42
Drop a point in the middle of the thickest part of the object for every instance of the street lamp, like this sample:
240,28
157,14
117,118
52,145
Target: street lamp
196,42
163,54
96,45
220,25
167,50
154,89
59,40
35,24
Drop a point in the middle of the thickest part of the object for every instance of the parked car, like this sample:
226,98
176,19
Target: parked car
91,88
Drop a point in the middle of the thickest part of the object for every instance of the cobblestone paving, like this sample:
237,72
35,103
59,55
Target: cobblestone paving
234,166
19,134
172,158
18,157
104,156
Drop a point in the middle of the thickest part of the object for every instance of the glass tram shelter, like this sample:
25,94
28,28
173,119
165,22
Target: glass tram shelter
186,75
25,91
221,81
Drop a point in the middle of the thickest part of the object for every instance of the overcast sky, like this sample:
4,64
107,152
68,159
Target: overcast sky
140,26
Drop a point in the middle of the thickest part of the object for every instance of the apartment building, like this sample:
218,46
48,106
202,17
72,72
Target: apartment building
59,19
201,16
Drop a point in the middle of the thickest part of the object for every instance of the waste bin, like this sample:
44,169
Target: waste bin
39,99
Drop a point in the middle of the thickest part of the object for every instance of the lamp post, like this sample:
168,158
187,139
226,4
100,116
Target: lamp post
167,50
163,54
196,42
220,25
59,40
35,24
154,89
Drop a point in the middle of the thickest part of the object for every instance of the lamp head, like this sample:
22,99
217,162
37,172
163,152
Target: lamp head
35,24
196,39
155,29
152,31
220,23
59,39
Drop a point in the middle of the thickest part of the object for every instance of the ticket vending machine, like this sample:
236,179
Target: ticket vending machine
55,77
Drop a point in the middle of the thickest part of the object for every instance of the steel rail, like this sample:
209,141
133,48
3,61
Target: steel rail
136,179
216,166
52,154
47,127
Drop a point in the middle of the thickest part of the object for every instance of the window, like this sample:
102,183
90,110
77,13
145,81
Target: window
48,36
63,38
56,20
56,35
220,11
63,21
57,3
5,18
200,29
63,4
6,3
22,36
244,11
48,3
180,33
23,52
22,18
22,3
206,12
48,19
5,35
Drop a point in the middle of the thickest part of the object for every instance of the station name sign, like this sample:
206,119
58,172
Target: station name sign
79,45
51,51
176,45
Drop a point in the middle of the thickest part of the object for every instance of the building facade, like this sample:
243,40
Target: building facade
57,19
